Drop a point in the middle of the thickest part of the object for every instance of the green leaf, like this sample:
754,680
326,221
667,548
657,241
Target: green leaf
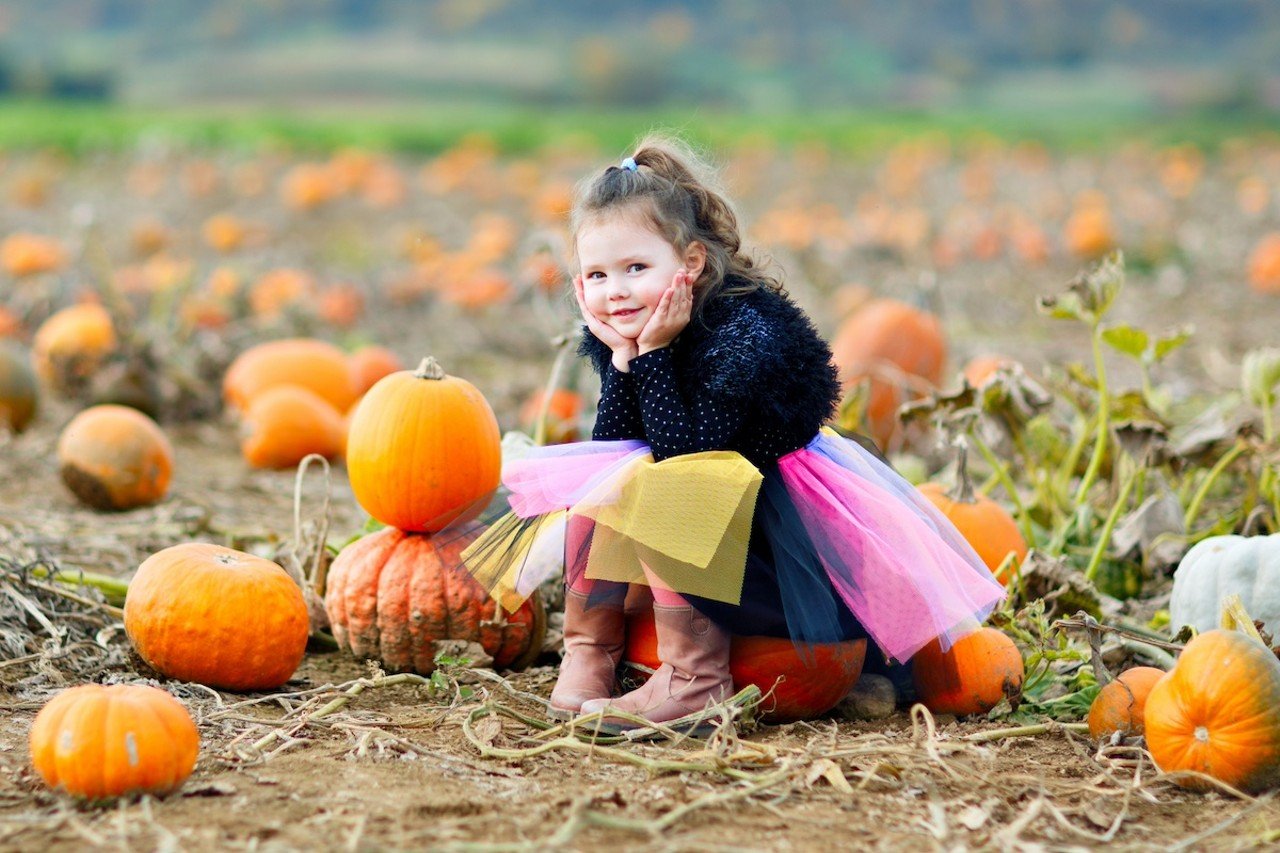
1260,374
1171,341
1089,295
1129,340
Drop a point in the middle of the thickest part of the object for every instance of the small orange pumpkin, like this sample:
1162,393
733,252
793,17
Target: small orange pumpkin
1121,704
23,254
97,741
971,677
216,616
984,524
312,364
1264,265
423,450
799,686
391,595
115,457
285,423
371,363
71,344
1218,712
563,413
900,348
18,393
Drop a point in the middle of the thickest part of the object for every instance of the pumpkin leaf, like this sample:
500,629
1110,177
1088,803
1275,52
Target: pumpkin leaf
1171,341
1090,294
1155,525
1260,374
1127,339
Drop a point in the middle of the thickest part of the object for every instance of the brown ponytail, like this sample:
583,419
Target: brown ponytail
675,190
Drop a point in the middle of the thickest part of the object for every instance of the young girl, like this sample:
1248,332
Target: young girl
710,477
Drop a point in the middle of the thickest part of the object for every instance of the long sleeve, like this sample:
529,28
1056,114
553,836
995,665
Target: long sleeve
618,414
671,425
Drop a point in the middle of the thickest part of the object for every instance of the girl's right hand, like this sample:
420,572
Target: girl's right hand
624,349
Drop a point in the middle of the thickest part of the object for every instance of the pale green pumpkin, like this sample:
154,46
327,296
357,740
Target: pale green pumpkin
1214,568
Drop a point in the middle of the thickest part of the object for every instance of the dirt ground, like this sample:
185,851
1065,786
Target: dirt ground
401,767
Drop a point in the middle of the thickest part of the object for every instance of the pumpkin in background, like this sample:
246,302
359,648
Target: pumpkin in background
115,457
1089,232
809,686
1121,705
1218,566
984,524
563,414
1264,265
286,423
901,350
391,595
981,368
971,677
23,254
96,741
216,616
18,393
71,344
370,363
423,450
1218,712
312,364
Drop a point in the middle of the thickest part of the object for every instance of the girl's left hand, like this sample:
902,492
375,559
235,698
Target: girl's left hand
670,317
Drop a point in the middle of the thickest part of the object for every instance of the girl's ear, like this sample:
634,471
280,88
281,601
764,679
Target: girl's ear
695,259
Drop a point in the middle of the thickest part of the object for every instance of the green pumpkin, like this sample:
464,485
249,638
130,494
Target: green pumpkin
1218,566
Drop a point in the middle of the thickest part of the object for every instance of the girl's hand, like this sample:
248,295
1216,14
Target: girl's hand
624,349
670,317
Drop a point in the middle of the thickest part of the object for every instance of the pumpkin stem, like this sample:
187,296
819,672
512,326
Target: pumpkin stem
429,369
963,490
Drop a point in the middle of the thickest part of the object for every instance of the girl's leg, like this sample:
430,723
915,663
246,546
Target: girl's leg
594,631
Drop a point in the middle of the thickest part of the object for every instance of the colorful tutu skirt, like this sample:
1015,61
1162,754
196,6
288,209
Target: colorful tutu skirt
828,544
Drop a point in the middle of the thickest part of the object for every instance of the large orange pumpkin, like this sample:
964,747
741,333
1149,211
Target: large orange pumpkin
312,364
96,741
285,423
220,617
984,524
391,595
1218,712
423,450
18,392
971,677
900,348
115,457
799,685
1121,704
71,344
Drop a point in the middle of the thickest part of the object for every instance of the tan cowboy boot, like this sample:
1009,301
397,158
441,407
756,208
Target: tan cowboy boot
694,673
593,641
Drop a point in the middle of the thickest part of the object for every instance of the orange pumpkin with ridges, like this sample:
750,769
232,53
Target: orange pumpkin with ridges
312,364
984,524
216,616
114,457
97,741
371,363
391,595
1121,704
1217,712
423,450
971,677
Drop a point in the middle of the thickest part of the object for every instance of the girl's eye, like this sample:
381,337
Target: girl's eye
635,267
592,276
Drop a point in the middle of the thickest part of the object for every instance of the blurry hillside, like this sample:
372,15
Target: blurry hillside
1030,55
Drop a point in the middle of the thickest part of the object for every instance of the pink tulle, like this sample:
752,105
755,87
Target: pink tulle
561,475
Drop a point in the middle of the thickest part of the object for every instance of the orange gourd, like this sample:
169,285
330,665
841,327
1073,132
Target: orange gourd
391,595
285,423
18,393
370,363
971,677
1217,712
423,450
312,364
96,741
114,457
984,524
216,616
1120,705
71,344
901,350
798,686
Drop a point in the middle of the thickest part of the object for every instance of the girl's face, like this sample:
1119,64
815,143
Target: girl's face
626,267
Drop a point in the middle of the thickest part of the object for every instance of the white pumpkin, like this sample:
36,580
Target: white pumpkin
1214,568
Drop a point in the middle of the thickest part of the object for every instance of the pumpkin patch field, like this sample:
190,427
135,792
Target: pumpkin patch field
255,402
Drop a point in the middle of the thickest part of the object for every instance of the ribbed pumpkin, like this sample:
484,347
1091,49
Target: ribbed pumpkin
902,349
96,741
18,392
423,450
392,594
71,344
313,364
1121,704
114,457
1218,712
811,683
285,423
220,617
984,524
971,677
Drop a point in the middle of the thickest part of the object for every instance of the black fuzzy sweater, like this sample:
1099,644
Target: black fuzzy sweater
750,374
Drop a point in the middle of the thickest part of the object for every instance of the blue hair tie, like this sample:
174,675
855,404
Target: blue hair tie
629,164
